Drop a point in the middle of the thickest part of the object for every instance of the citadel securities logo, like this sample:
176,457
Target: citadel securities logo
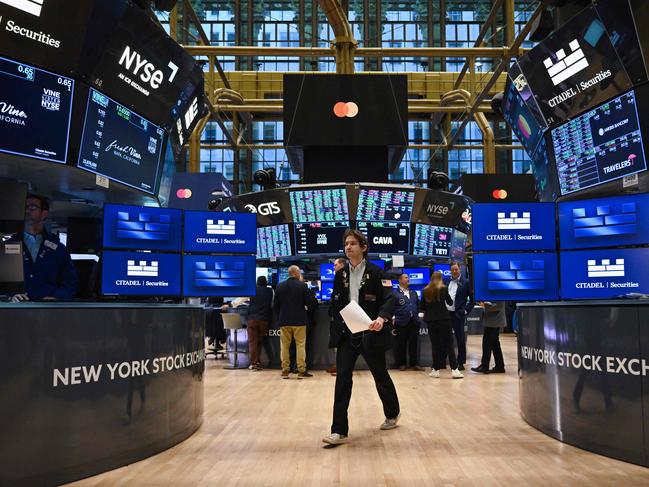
566,65
10,114
33,7
264,209
221,227
605,268
142,269
345,109
514,222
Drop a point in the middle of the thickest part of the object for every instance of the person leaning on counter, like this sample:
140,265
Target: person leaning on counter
48,268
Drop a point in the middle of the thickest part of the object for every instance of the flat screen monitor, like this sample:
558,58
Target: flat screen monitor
445,269
327,272
320,238
379,263
545,172
35,111
604,222
219,275
386,237
599,146
282,274
120,144
274,241
142,228
326,291
12,279
125,273
514,226
459,245
602,274
381,205
520,119
83,235
220,232
419,276
431,240
319,205
516,277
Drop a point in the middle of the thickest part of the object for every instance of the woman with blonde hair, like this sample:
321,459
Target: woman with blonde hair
440,329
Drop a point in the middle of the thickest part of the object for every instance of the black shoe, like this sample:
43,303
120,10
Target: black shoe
304,375
460,367
480,370
497,370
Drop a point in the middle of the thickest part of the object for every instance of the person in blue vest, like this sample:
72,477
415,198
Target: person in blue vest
49,272
406,325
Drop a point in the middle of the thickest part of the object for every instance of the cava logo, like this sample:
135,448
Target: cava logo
142,269
146,70
382,240
33,7
514,222
606,269
221,227
51,100
264,209
566,65
124,151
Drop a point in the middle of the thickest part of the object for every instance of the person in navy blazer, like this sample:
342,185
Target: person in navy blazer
459,288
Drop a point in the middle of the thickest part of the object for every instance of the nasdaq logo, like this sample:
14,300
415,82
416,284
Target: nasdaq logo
566,65
219,274
514,222
142,226
33,7
605,220
221,227
516,275
142,269
605,268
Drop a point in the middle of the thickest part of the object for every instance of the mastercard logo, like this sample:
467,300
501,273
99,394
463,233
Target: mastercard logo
183,194
346,109
499,194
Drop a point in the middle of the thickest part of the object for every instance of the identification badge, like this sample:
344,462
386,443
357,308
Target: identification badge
12,248
370,297
402,302
50,245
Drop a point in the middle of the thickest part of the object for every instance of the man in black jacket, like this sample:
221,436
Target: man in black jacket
460,291
360,281
259,317
292,299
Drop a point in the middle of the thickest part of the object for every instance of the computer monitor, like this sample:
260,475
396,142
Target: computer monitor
12,279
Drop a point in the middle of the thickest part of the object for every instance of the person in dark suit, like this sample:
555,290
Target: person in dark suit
339,264
460,291
495,319
292,299
406,325
259,317
361,281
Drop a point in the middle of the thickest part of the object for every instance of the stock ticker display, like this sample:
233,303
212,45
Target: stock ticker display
599,146
431,240
273,241
320,237
319,205
385,205
119,144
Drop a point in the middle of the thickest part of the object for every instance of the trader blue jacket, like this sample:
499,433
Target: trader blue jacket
52,274
406,307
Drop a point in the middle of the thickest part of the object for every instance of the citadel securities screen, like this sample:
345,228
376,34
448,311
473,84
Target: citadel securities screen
219,275
211,231
120,144
142,228
140,274
514,226
35,110
599,146
604,222
516,277
601,274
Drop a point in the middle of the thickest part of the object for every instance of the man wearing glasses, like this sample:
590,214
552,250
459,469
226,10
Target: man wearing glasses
49,273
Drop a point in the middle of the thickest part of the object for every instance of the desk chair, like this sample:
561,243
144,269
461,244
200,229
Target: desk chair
232,322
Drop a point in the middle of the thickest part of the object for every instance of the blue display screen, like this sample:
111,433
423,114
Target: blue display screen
327,272
210,231
445,269
419,276
319,205
273,241
516,277
601,274
219,275
140,274
379,263
142,228
326,291
604,222
120,144
431,240
514,226
35,111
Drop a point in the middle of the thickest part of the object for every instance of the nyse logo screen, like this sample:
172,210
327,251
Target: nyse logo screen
134,227
207,231
601,274
140,274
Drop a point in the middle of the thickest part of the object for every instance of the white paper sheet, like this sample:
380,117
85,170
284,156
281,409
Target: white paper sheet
355,318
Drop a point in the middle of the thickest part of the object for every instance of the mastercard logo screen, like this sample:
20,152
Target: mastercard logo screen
183,193
345,109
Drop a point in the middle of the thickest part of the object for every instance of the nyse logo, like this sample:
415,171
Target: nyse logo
566,65
142,268
51,100
514,222
33,7
191,114
221,227
146,70
606,268
440,210
264,209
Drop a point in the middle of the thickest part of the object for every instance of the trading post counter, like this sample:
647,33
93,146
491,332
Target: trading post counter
90,387
584,374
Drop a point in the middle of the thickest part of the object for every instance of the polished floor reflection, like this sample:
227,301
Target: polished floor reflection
261,430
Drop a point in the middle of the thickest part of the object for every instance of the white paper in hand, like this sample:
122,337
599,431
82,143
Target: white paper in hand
355,318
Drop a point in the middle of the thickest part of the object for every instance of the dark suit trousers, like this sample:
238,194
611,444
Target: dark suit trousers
406,340
460,336
491,344
441,341
346,355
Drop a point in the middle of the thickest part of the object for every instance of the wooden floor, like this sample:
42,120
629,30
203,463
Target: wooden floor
260,430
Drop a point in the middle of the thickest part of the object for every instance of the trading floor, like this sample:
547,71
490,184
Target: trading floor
263,431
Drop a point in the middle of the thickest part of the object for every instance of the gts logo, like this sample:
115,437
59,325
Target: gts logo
146,70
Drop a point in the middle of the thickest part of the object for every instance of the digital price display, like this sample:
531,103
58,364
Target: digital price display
319,205
601,145
142,228
119,144
140,274
386,237
274,241
320,238
520,119
327,272
431,240
602,274
384,205
219,275
35,112
459,245
212,231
